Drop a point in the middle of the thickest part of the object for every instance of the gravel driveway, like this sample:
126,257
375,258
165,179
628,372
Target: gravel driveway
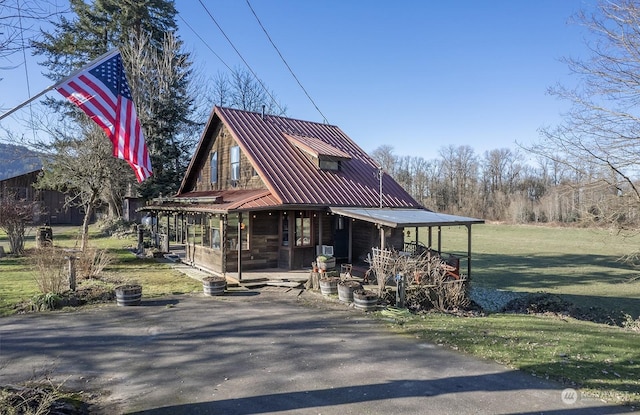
263,352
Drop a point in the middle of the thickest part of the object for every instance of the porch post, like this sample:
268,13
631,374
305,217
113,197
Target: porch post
430,237
440,239
381,237
350,249
239,246
223,242
469,251
319,233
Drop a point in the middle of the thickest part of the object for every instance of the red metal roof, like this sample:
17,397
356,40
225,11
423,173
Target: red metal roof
315,146
218,201
289,175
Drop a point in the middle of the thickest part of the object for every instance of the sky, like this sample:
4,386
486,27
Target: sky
416,75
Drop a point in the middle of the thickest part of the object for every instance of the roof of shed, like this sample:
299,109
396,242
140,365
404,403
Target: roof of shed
404,218
291,177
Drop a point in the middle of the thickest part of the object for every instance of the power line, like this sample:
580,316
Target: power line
205,43
285,62
241,57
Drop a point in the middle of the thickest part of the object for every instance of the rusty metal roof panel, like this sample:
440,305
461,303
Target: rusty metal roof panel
293,178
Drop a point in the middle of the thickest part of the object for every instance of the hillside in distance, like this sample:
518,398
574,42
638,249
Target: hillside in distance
16,160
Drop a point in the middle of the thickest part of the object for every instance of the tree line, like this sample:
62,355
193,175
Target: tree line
502,185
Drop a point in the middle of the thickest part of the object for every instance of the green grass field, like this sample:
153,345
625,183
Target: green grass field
581,264
17,281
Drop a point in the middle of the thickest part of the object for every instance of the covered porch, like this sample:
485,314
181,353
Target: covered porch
388,221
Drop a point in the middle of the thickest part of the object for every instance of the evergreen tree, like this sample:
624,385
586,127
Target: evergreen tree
157,71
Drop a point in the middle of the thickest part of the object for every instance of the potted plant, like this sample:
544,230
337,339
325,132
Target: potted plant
329,285
346,289
214,285
365,300
326,262
128,294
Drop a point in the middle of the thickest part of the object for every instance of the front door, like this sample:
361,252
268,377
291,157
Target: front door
341,237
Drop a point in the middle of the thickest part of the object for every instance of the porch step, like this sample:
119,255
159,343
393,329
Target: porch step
287,284
254,283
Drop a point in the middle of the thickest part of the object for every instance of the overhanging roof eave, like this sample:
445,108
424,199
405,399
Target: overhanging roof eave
404,218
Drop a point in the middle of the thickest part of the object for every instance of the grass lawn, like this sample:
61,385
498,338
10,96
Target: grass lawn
18,283
581,264
599,360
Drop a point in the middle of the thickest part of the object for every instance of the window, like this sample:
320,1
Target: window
325,164
232,233
206,235
214,167
285,230
303,229
235,164
215,238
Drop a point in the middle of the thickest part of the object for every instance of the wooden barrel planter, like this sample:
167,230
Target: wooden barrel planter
329,285
213,286
365,300
346,289
128,295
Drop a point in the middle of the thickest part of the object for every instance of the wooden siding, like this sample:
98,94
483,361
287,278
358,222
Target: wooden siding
221,143
52,203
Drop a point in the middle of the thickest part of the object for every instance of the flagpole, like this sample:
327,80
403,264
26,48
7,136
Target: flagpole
74,73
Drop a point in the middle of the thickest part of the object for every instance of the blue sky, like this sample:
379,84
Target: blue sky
417,75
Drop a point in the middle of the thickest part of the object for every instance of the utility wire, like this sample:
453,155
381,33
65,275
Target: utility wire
285,62
205,43
26,68
241,57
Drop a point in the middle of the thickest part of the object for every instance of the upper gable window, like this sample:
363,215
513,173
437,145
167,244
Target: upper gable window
325,164
235,164
214,167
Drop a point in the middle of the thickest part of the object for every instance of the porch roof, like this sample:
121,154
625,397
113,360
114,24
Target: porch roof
404,218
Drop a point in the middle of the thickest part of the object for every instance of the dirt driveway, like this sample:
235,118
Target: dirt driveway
263,352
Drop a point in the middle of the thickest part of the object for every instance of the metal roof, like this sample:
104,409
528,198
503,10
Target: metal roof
316,147
216,201
404,218
287,171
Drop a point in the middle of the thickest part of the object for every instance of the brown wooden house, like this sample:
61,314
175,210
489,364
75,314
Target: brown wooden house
52,209
264,191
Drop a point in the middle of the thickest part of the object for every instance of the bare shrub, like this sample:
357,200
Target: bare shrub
429,282
50,270
631,324
41,397
92,262
445,293
15,214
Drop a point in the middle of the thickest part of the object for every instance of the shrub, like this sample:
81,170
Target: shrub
92,262
630,324
51,270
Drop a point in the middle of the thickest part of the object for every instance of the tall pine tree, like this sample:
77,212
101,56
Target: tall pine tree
158,73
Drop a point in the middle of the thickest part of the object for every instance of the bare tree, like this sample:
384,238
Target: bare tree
80,166
15,215
384,156
598,138
20,22
240,89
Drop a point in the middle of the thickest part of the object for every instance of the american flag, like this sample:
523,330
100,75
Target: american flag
102,92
